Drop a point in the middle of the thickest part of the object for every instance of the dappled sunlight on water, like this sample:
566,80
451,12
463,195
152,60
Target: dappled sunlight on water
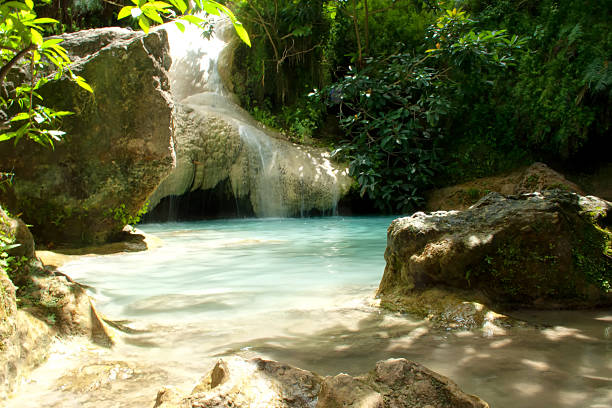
299,291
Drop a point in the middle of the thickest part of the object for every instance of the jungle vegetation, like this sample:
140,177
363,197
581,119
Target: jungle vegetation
418,93
412,93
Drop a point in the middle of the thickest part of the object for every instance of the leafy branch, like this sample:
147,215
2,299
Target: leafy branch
22,45
151,12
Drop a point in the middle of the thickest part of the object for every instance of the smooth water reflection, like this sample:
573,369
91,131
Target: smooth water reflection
301,291
227,269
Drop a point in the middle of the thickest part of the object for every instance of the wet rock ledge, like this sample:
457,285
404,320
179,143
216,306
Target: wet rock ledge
235,382
36,305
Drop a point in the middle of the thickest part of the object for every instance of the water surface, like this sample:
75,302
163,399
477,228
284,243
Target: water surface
301,291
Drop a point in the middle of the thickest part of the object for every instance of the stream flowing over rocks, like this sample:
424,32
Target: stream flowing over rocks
147,134
221,148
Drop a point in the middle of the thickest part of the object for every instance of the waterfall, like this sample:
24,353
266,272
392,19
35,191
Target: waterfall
218,141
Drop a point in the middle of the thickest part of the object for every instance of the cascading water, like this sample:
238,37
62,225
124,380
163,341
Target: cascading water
219,142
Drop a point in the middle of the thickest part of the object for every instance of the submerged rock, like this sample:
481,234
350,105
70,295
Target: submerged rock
118,143
235,382
544,250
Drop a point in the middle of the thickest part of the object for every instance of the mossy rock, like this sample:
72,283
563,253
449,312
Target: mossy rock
544,250
118,144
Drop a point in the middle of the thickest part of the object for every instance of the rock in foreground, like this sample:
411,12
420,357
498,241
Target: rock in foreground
235,382
544,250
49,305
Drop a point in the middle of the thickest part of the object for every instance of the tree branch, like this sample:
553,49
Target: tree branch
262,21
7,67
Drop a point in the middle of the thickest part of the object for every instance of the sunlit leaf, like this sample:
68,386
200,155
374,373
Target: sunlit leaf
210,9
83,84
152,14
45,20
160,4
36,37
144,23
179,4
193,19
124,12
52,41
242,33
20,116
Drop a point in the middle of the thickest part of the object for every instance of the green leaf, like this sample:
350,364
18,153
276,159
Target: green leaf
83,84
152,14
20,116
160,4
36,37
7,136
180,26
52,41
193,19
302,31
242,33
179,4
210,9
124,12
144,23
17,5
45,20
224,10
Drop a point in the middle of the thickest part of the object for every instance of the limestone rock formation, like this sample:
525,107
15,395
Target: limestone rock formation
49,305
220,144
118,144
546,250
235,382
536,177
275,177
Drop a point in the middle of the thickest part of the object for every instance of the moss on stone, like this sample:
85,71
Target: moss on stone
592,254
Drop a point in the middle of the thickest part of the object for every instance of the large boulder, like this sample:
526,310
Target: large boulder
544,250
118,144
235,382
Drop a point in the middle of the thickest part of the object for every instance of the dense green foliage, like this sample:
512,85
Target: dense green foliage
424,92
429,92
286,62
554,104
